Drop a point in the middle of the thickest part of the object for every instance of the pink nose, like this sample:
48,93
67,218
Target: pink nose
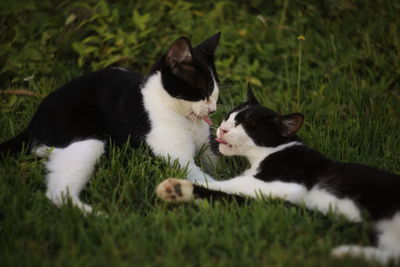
223,131
211,111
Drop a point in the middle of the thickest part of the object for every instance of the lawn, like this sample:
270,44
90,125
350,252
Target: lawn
336,61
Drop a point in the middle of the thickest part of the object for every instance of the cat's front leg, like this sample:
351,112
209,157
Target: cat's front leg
253,187
208,158
177,190
69,169
178,146
203,142
195,174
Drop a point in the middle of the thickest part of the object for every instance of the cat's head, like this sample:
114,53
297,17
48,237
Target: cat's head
251,125
188,74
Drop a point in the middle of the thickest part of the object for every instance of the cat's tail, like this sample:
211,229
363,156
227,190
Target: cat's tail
15,145
178,190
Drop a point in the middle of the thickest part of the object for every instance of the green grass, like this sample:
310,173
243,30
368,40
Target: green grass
346,83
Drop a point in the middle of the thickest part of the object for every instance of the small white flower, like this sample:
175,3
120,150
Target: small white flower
261,18
28,78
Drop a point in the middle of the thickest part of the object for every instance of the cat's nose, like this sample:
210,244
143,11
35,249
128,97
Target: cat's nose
211,111
223,131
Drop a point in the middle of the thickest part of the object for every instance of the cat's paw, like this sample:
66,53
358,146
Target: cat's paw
368,253
341,251
175,190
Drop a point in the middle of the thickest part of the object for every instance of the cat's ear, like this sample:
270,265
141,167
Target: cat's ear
179,52
250,96
209,45
290,123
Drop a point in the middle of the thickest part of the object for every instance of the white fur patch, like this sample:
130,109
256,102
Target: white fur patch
69,169
368,253
388,244
324,201
389,238
173,135
253,187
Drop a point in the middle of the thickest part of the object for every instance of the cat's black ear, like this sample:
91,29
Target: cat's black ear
250,95
209,45
179,52
290,123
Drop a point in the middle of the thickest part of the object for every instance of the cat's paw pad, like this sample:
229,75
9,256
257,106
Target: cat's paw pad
175,190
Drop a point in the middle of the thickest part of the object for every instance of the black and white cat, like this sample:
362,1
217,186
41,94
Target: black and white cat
283,166
168,111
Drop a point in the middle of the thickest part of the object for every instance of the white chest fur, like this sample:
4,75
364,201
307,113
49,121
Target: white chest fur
168,123
172,134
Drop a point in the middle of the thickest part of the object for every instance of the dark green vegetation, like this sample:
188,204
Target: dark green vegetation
345,77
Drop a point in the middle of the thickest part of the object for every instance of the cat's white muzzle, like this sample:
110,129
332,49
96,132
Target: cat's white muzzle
224,146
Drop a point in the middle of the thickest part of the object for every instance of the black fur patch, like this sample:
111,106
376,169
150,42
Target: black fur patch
260,124
178,189
191,80
205,193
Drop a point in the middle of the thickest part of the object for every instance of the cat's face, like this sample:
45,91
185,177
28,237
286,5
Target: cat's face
251,125
189,76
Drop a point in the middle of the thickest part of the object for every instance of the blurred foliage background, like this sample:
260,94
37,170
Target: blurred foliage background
44,38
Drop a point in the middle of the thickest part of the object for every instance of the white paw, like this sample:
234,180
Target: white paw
368,253
175,190
61,199
88,210
85,208
342,251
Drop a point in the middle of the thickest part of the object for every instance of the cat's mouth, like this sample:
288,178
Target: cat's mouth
197,118
208,120
223,142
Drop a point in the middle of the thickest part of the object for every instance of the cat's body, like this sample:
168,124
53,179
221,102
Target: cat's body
168,111
283,166
87,108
